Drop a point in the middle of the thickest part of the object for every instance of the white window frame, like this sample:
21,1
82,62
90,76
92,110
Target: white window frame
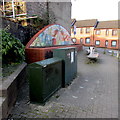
107,32
113,45
114,32
106,41
81,30
74,40
87,30
97,41
86,40
97,32
81,40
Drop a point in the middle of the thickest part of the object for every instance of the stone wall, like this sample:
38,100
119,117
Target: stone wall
24,34
61,11
36,8
10,89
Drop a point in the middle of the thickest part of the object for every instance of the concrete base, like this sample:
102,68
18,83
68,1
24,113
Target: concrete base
9,90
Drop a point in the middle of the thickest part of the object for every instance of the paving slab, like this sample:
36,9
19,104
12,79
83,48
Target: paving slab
92,94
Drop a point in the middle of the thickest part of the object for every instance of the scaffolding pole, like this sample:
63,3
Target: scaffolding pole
4,7
13,9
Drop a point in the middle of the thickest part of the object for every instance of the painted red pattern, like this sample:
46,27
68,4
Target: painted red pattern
34,54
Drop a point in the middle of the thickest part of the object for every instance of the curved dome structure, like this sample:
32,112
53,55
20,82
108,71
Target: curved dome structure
41,45
51,35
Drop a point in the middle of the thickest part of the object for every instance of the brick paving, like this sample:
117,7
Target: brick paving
93,94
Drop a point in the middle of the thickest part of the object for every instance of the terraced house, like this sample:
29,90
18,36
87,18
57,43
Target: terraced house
84,31
106,34
92,32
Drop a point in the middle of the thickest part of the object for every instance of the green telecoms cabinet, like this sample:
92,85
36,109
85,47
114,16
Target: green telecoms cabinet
45,77
69,57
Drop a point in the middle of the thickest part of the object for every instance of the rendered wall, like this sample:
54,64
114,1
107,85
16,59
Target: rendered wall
93,37
103,37
83,35
61,11
36,8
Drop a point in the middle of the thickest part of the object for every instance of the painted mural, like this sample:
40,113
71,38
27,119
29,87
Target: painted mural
51,36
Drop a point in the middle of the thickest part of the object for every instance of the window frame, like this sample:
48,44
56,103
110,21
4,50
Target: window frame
105,43
97,31
82,40
107,32
113,41
114,34
97,41
81,30
86,39
74,41
88,30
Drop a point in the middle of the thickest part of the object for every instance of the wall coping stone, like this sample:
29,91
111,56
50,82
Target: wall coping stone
6,83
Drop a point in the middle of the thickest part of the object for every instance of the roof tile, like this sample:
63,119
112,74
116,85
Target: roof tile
86,23
107,24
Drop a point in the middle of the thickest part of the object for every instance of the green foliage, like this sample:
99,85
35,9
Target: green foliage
118,56
38,22
112,53
104,52
12,49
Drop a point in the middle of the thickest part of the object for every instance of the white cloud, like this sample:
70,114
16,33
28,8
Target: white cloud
95,9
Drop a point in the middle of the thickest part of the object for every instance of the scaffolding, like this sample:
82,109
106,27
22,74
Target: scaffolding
16,10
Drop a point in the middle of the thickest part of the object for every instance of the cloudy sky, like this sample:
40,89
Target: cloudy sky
95,9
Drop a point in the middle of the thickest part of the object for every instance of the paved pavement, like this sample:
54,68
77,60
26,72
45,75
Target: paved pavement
93,94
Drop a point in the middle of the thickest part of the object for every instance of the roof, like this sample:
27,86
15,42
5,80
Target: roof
86,23
107,24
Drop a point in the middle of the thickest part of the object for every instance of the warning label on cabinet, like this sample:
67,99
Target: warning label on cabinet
72,57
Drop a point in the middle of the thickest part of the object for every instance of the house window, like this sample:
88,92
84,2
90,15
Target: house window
106,43
114,32
97,42
74,40
114,43
107,32
87,40
97,32
87,30
81,40
81,30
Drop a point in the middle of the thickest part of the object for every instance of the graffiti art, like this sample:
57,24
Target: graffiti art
51,36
